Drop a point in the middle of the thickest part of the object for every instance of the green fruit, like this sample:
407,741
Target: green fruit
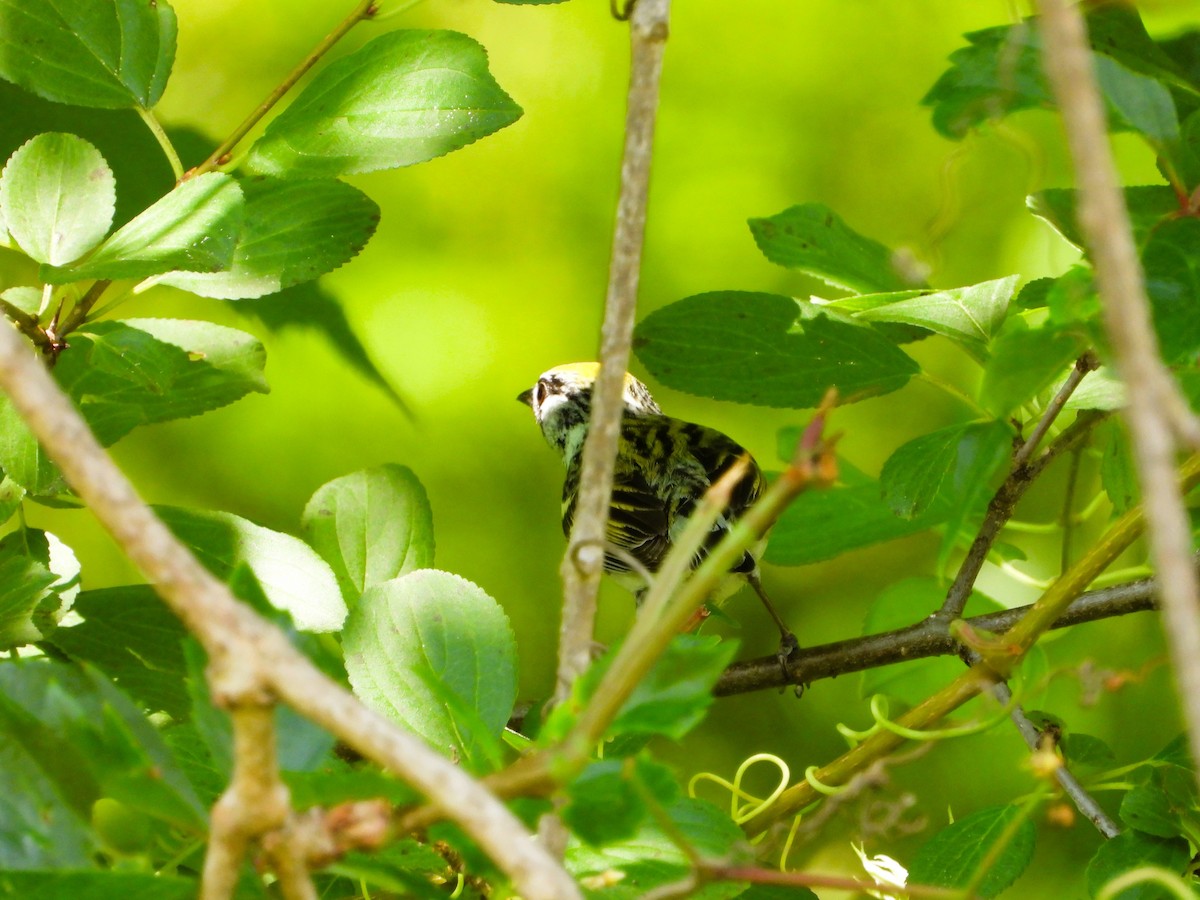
122,829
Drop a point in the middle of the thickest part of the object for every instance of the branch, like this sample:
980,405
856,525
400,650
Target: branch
584,560
1157,415
251,656
930,637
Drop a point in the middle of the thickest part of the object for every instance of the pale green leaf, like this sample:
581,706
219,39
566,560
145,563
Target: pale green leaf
972,314
953,856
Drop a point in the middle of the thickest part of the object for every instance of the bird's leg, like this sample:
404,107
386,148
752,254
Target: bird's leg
787,641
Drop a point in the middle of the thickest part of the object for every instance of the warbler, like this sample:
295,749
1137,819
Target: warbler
663,468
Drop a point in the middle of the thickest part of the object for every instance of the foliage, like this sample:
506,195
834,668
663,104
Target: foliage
111,747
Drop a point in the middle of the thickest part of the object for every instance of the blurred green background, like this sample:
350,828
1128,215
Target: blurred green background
490,265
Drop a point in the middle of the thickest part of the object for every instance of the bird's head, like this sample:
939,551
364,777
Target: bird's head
561,401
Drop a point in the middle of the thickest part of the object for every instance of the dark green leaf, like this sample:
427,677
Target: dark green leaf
814,240
899,606
139,371
1171,259
954,463
445,626
1087,750
194,228
91,742
970,315
952,857
292,576
336,782
1026,361
1148,204
371,526
24,586
767,350
106,53
1118,474
130,635
293,231
1162,804
57,197
402,867
62,884
1132,850
776,892
404,98
310,306
1176,753
1138,103
604,804
651,858
22,457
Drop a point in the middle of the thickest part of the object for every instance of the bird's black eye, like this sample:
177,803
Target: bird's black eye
539,393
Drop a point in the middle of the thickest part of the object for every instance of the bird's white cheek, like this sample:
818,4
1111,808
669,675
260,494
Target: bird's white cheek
548,406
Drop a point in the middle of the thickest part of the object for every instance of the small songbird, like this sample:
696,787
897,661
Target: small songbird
663,468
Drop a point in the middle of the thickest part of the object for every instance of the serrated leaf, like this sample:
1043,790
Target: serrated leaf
129,634
91,742
917,472
139,371
1118,473
813,239
194,228
403,98
310,306
1024,362
1148,206
1162,804
437,623
1087,750
1137,103
1132,850
371,526
604,804
23,586
59,884
105,53
952,857
1100,389
767,350
57,197
899,606
1171,259
292,232
970,314
292,576
1176,753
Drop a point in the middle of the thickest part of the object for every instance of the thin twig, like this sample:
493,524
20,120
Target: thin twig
1002,504
78,314
1156,413
584,559
26,324
251,654
925,639
364,10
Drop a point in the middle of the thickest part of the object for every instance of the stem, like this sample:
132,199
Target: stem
78,314
584,559
164,141
1068,520
956,392
1083,365
364,10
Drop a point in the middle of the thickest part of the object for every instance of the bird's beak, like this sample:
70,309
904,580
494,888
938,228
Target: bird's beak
526,397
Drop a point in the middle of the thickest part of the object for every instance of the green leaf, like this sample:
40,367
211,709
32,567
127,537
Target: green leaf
604,804
1137,103
22,457
293,231
403,98
309,305
24,586
1132,850
106,53
129,634
57,197
1176,753
968,314
1100,389
1148,205
1087,750
1024,362
371,526
1171,259
767,350
11,495
1118,474
899,606
43,609
91,742
1163,803
953,856
814,240
194,228
777,892
650,857
445,626
292,576
61,884
139,371
916,473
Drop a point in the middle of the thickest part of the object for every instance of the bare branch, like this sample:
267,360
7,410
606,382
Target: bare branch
1156,413
584,559
930,637
1086,363
250,654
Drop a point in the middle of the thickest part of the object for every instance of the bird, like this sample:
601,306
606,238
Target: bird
663,468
